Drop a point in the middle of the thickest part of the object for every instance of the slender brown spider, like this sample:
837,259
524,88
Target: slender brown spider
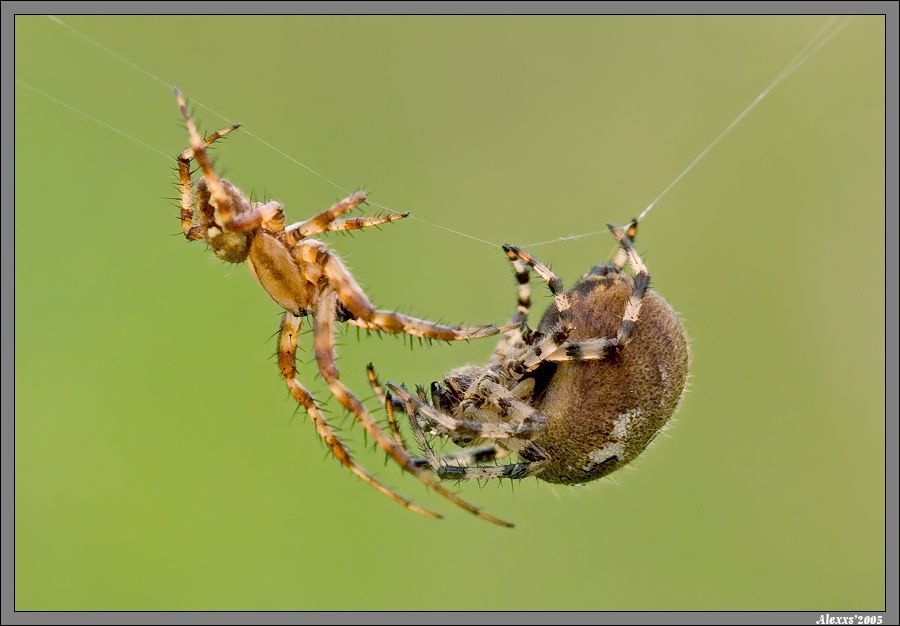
577,398
303,276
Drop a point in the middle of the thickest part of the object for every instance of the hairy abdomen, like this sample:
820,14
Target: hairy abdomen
602,414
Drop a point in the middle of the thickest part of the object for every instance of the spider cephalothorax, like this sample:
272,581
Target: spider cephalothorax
578,397
304,276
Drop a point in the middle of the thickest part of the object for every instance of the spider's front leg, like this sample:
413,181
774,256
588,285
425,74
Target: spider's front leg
325,319
191,230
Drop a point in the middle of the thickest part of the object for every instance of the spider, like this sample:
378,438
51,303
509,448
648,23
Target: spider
577,398
304,276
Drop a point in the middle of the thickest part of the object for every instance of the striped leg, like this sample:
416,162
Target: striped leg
641,283
590,350
560,300
537,353
287,353
465,457
621,256
459,472
510,408
325,319
554,282
601,348
468,457
363,312
473,429
523,297
514,339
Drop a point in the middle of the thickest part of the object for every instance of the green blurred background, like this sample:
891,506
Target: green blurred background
158,465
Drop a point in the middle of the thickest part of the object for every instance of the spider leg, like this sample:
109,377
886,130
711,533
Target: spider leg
509,407
287,352
383,400
467,428
363,312
319,223
514,339
588,350
271,215
460,458
602,347
459,472
641,283
219,196
621,256
325,318
523,301
192,232
554,282
464,457
467,457
528,361
358,223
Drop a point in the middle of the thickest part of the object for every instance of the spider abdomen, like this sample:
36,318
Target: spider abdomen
604,413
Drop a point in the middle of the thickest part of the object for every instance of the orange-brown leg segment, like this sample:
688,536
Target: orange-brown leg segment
287,352
184,182
198,147
325,318
383,401
320,223
358,223
365,315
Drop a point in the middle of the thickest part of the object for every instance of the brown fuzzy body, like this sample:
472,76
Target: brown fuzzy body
604,413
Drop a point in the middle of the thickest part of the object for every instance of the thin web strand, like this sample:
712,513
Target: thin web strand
789,69
246,131
806,53
93,119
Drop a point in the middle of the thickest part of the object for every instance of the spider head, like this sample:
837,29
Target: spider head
228,241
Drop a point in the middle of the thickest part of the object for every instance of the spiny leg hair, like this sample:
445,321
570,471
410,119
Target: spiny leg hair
325,318
464,457
444,470
287,356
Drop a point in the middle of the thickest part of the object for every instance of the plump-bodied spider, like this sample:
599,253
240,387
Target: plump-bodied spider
577,398
303,276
